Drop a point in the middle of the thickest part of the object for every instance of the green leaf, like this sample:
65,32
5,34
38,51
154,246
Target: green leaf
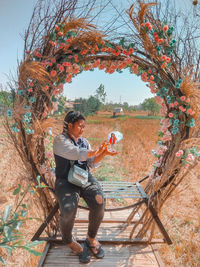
17,190
38,179
32,251
7,231
24,206
2,260
34,243
18,225
6,213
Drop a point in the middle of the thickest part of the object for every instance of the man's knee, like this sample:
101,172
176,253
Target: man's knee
68,210
99,199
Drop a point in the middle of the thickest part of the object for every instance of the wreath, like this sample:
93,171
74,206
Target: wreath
71,46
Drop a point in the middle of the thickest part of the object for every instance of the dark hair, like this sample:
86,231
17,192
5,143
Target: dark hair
72,117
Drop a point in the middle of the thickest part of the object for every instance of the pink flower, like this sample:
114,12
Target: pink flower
179,153
171,115
190,157
175,103
182,98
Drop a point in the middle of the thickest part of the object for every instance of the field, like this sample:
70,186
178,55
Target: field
180,215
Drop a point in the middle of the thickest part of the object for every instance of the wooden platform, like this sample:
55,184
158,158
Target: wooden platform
58,255
119,249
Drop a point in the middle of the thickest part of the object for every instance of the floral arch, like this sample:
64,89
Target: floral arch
74,46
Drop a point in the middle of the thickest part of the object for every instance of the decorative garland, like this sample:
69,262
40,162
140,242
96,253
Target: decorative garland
73,47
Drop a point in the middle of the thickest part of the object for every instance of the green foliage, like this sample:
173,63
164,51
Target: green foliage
147,118
87,106
151,106
61,104
100,93
10,222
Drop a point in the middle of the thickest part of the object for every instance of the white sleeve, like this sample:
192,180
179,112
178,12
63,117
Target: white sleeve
64,147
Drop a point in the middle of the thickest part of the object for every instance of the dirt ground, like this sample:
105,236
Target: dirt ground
180,214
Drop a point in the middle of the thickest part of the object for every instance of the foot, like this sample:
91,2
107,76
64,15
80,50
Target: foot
95,247
94,244
75,247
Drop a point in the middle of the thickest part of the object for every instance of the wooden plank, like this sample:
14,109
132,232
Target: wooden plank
115,255
44,254
133,241
109,217
157,255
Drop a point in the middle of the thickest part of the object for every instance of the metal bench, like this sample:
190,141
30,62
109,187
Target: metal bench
116,190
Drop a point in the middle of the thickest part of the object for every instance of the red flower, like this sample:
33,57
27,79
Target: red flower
165,28
61,68
164,65
103,43
60,33
31,84
57,28
66,64
131,50
164,57
30,90
101,67
53,73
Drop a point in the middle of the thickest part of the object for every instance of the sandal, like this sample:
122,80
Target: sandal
84,256
100,251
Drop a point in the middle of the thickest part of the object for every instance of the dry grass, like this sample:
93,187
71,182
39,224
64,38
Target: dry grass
180,213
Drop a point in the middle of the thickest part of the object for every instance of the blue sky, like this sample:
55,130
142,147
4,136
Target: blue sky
14,19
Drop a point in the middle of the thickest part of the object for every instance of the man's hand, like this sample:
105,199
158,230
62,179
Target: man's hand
110,153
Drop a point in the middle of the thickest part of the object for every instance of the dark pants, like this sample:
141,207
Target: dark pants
68,196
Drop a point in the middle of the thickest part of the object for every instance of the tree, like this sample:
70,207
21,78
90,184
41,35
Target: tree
87,106
100,93
151,106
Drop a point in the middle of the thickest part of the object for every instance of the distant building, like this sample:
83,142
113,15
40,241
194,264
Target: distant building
117,110
70,105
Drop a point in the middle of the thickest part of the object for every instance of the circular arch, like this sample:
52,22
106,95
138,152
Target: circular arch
74,46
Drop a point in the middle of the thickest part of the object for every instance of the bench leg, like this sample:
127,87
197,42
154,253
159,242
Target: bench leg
45,223
159,223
